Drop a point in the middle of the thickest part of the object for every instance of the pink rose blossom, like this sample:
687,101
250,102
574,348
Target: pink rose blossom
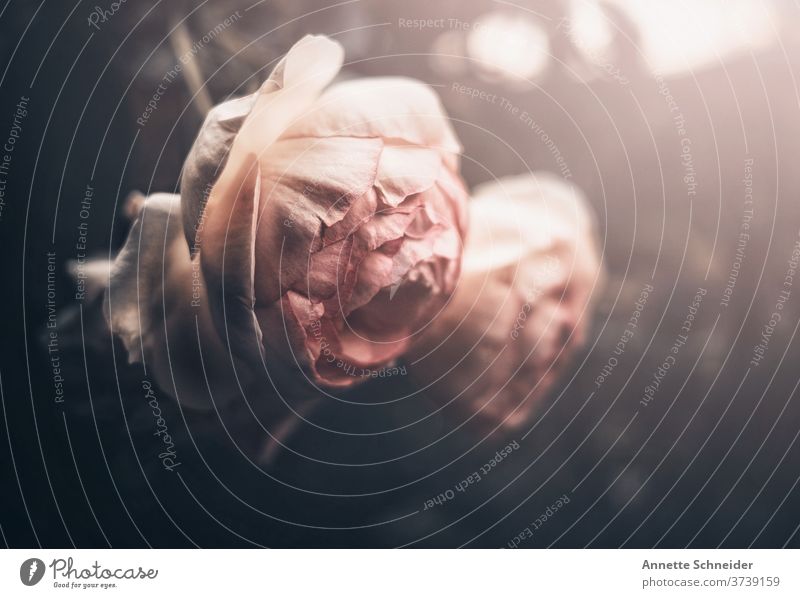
322,228
522,305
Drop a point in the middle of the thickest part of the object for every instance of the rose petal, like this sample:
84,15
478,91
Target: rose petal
157,303
321,175
297,204
137,273
227,242
406,170
294,84
392,108
207,158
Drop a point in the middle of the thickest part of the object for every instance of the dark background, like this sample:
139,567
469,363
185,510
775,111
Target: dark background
713,461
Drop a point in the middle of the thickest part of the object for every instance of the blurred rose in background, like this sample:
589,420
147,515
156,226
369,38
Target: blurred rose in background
522,306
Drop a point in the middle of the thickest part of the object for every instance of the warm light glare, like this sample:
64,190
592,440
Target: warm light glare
678,35
511,46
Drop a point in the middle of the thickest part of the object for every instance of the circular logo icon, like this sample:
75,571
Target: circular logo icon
31,572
